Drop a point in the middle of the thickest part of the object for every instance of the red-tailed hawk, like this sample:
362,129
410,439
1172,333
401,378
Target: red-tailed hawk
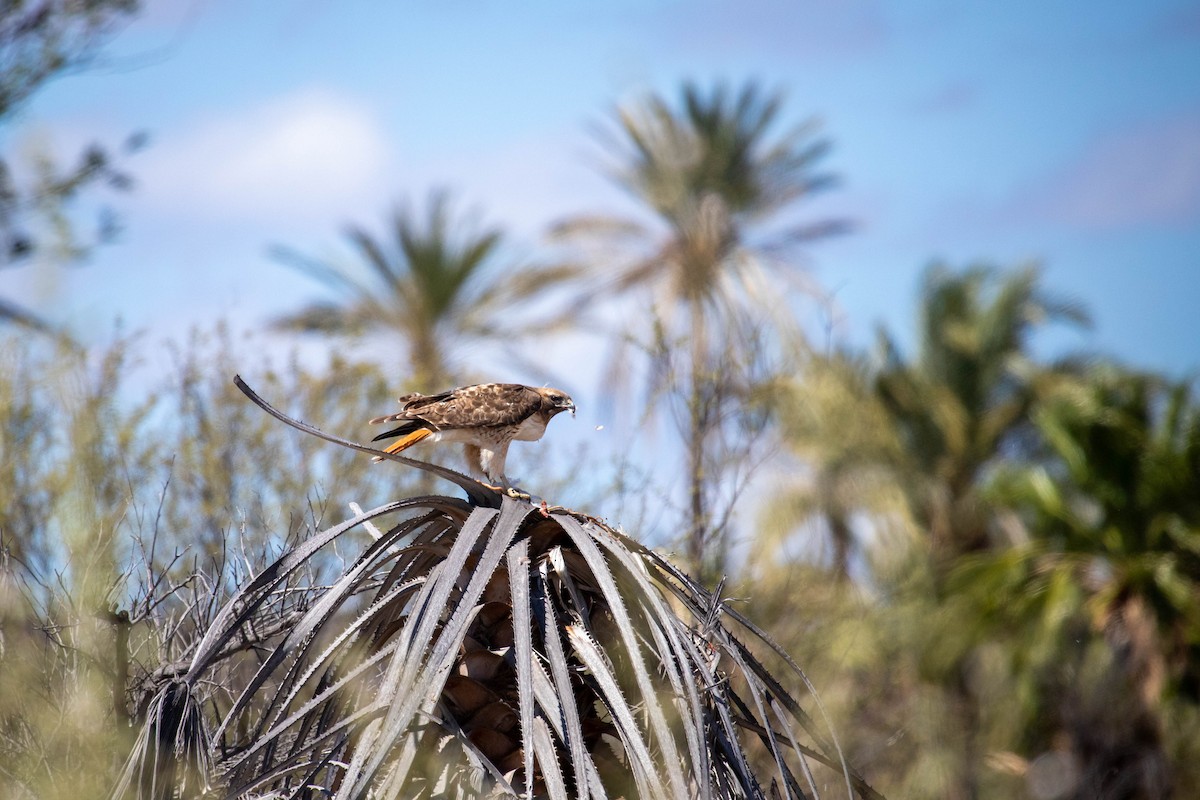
484,417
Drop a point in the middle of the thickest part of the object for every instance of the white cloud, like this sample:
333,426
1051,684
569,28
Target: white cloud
306,157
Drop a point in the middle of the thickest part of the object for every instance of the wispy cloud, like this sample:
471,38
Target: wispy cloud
307,156
951,98
1146,174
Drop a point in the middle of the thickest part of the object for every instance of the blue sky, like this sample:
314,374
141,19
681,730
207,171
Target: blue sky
1002,132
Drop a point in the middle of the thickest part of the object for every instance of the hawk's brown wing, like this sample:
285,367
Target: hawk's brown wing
484,405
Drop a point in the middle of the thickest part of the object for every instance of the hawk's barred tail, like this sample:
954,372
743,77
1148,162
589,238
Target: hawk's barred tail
406,441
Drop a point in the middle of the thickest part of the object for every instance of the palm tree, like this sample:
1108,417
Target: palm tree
913,440
848,455
964,400
711,171
1113,520
1126,496
931,426
959,407
439,283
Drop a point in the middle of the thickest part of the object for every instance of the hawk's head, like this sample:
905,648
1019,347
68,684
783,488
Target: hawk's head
556,400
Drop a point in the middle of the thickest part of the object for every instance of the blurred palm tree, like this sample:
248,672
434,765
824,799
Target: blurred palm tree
441,282
963,402
912,443
1113,526
1126,500
711,171
922,434
848,454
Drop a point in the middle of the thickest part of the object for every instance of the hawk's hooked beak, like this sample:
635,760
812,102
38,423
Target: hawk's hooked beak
570,406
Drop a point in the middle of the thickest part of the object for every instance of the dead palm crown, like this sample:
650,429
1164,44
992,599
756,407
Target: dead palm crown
477,648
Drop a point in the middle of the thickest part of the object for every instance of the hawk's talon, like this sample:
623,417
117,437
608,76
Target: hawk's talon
511,491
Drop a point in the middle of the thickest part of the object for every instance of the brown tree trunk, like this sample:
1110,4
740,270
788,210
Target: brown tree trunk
697,435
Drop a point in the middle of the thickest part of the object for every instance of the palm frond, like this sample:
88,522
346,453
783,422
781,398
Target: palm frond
315,268
391,274
323,317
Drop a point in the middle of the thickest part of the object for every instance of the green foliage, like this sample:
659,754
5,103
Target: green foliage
70,456
1025,534
1115,513
126,512
963,401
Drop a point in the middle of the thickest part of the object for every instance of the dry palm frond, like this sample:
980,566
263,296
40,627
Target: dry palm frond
490,647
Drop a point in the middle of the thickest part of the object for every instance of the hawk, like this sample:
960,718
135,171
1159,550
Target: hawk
485,418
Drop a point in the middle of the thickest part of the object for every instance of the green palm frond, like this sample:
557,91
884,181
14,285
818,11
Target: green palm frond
708,166
322,317
1113,512
440,280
